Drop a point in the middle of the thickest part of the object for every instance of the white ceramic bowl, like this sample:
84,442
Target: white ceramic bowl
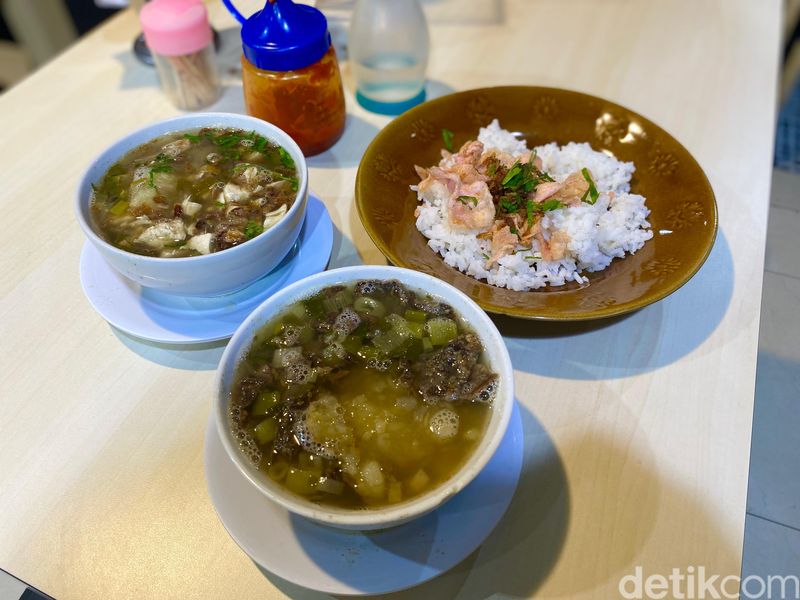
211,274
378,518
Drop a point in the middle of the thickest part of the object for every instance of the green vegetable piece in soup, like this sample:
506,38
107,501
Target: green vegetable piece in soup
278,470
416,315
266,403
362,395
442,331
194,192
369,306
265,431
301,482
416,329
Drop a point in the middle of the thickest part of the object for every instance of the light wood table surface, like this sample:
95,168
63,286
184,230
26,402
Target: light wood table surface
637,431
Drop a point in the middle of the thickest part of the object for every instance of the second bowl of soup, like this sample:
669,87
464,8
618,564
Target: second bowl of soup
201,204
364,397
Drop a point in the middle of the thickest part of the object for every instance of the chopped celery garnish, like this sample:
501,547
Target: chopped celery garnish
314,307
278,470
395,320
267,401
338,301
265,431
442,330
311,463
418,316
369,306
413,348
298,311
301,481
417,329
390,341
400,325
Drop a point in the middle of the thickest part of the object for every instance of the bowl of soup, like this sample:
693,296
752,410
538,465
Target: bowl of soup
200,204
364,397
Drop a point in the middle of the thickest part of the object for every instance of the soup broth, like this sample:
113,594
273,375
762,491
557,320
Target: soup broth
363,395
194,192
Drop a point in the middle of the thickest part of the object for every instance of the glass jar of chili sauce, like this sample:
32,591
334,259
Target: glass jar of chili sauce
290,74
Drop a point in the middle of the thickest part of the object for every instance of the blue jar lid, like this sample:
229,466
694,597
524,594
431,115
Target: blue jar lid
284,36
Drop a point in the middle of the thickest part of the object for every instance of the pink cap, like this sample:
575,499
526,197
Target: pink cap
175,27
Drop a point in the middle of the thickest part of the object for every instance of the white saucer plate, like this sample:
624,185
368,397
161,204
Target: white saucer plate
175,319
354,563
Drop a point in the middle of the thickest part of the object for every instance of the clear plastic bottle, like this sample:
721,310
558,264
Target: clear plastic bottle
181,42
388,48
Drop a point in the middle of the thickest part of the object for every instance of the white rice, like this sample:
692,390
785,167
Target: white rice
598,233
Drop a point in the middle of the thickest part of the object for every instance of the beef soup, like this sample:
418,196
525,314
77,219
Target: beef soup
195,192
361,396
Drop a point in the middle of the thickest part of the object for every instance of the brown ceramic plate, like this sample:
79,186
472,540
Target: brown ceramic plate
678,195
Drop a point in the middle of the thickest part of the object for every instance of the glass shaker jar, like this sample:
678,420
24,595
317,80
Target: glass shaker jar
181,43
290,74
388,48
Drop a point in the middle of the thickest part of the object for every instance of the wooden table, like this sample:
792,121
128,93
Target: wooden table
637,432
